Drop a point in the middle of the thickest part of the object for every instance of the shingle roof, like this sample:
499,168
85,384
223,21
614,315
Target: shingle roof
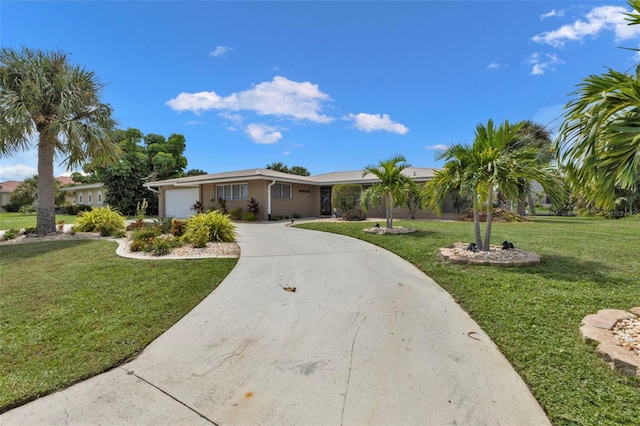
355,176
9,185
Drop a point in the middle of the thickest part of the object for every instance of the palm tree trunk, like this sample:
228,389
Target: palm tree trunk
522,210
46,216
476,219
389,211
532,209
487,229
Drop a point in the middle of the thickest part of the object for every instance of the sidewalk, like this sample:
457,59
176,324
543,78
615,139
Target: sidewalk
365,339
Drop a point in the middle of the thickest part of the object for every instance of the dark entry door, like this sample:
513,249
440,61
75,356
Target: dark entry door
325,200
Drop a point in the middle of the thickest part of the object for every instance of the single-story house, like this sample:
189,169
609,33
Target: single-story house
280,195
90,194
6,188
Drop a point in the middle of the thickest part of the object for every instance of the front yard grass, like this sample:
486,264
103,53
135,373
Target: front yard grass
21,220
534,313
72,309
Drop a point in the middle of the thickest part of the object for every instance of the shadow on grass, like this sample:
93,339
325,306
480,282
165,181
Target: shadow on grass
17,251
569,269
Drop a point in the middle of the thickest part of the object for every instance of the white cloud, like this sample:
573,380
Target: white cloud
543,63
375,123
220,50
261,133
494,65
279,97
16,172
192,123
552,14
286,152
439,147
598,20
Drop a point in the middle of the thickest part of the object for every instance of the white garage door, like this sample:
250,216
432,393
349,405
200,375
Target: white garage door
178,202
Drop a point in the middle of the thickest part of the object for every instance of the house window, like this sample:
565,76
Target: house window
281,190
89,198
238,191
99,197
80,199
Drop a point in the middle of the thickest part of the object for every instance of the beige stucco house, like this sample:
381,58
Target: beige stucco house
281,195
91,194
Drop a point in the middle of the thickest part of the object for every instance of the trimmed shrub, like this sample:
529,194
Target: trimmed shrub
106,230
354,214
346,197
161,247
145,233
212,226
90,221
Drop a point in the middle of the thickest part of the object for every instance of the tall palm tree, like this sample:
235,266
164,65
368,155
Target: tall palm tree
40,92
393,187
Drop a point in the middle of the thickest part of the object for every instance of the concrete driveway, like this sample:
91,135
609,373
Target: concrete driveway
367,339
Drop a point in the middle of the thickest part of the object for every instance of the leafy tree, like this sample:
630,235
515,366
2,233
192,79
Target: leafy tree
599,140
194,172
42,93
26,192
295,170
145,158
84,178
393,186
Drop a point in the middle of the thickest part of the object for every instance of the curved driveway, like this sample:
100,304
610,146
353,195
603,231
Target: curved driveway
366,339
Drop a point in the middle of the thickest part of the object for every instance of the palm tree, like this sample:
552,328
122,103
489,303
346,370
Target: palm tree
491,164
533,135
40,92
599,141
392,188
457,176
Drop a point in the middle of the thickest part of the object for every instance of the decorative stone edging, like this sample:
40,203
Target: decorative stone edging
598,328
457,253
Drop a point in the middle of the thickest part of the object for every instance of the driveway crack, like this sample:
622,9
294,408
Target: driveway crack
353,344
132,373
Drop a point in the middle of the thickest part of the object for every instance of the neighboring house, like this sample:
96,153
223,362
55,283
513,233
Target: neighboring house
281,195
6,188
91,194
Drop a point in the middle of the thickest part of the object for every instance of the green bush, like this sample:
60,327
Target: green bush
29,208
136,245
74,209
30,230
161,246
354,214
91,221
10,234
106,230
346,197
235,213
145,233
249,217
211,226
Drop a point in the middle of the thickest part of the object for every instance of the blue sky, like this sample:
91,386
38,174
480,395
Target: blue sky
325,85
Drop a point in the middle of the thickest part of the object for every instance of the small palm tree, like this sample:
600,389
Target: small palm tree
393,187
41,93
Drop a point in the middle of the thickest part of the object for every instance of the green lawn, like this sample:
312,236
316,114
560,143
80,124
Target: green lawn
72,309
20,220
533,314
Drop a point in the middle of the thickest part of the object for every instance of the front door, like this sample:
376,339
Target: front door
325,201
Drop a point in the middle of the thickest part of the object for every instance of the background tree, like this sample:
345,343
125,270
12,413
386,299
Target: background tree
144,159
393,186
42,93
599,140
194,172
281,167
